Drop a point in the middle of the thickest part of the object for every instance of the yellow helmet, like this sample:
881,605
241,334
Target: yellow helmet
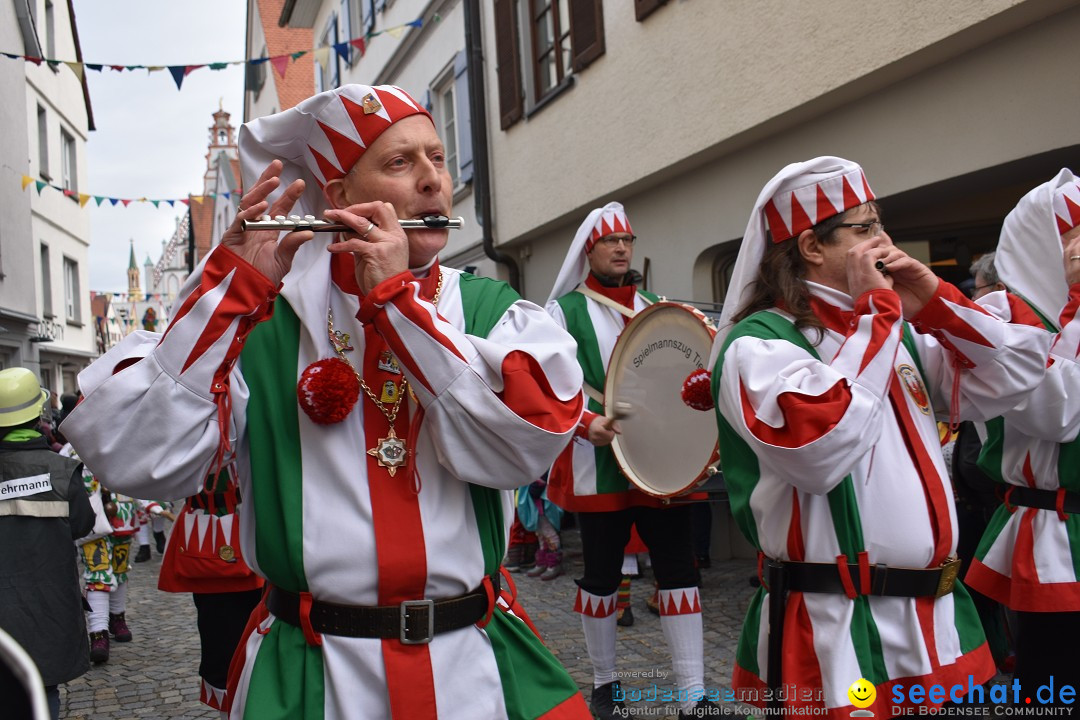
21,397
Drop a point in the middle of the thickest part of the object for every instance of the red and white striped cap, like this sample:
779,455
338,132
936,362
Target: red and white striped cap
612,220
321,138
1067,206
805,199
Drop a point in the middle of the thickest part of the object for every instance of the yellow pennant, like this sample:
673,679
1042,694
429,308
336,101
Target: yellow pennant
83,199
76,67
322,56
26,180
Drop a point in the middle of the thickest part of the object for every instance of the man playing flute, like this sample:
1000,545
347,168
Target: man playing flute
380,409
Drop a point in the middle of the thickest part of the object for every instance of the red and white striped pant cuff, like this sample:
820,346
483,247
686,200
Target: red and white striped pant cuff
680,601
212,696
598,606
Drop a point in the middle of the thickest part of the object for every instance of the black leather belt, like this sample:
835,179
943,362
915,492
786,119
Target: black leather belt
884,580
1042,499
413,622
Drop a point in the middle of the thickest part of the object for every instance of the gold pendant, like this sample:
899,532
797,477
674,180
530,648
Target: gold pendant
390,452
226,553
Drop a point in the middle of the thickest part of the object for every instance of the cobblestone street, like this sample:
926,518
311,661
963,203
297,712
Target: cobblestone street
155,675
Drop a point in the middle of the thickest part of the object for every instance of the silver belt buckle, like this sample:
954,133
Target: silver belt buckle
412,605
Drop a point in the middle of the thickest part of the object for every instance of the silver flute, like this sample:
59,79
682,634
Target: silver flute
310,222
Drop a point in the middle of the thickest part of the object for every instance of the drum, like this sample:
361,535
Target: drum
665,448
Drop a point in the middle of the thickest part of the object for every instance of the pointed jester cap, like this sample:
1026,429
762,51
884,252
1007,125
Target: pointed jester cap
599,223
1029,251
321,139
800,196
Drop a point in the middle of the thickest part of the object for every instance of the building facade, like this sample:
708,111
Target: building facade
683,110
45,312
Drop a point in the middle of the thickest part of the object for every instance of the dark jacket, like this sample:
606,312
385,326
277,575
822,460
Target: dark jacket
39,579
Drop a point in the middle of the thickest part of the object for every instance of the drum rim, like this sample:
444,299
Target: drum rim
609,381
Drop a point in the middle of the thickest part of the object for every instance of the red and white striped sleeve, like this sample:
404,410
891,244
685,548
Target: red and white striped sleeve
821,416
181,380
514,395
977,364
1051,410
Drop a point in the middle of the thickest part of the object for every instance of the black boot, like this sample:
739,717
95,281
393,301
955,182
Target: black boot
604,705
159,540
144,553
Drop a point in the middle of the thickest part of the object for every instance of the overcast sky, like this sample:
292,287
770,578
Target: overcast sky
151,138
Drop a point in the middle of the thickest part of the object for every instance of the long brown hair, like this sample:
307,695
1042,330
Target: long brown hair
781,272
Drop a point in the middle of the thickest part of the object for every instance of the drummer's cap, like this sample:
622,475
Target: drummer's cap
808,196
322,138
612,220
1067,206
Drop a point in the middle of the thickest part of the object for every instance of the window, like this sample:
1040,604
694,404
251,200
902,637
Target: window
329,77
539,44
71,291
550,44
351,20
50,31
43,143
446,119
448,102
67,157
46,284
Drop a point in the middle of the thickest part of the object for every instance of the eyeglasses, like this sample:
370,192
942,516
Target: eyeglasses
611,241
872,228
977,288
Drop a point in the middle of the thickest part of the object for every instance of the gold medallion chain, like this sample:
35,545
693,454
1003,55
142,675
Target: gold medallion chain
339,348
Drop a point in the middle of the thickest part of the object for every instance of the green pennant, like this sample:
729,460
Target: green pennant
298,55
99,199
155,202
218,65
40,186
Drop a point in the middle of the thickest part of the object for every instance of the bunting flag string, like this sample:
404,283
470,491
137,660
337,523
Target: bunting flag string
321,54
84,198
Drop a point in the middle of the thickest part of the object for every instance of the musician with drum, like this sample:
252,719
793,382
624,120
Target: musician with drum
828,402
594,297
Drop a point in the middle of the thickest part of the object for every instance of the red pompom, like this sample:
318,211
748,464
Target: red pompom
327,391
697,390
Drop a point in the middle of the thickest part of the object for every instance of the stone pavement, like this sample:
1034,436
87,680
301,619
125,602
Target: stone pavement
155,675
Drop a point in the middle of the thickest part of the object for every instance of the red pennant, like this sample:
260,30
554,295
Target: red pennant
359,44
281,64
125,202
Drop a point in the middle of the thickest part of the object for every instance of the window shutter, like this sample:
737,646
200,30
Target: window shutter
506,58
586,32
464,118
645,8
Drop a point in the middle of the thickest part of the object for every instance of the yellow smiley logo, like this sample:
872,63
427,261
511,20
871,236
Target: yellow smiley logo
862,693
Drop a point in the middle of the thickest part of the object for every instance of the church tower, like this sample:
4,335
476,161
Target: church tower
135,293
222,140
